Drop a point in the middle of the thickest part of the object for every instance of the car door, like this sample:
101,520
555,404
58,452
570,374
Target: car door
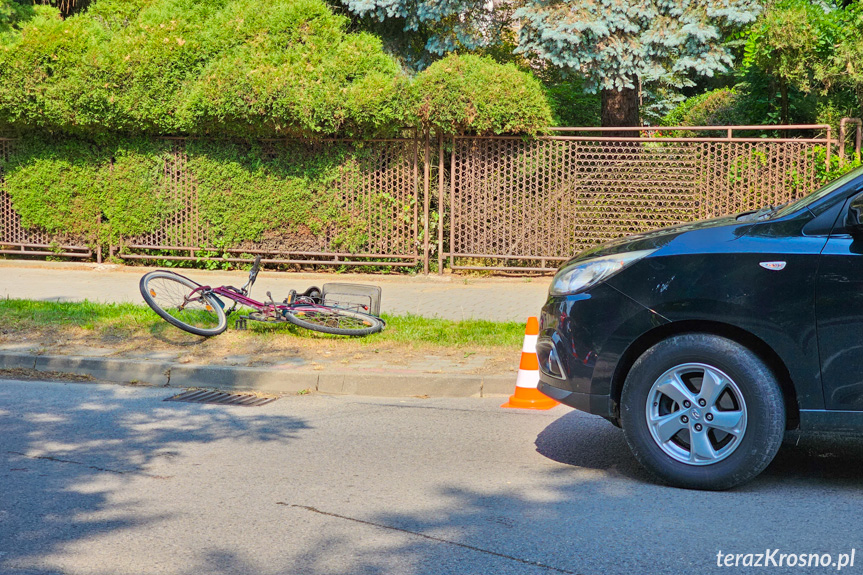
839,313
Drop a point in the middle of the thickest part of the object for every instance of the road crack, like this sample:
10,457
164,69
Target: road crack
431,538
94,467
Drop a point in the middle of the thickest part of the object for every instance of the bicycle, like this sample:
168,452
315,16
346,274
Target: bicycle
200,309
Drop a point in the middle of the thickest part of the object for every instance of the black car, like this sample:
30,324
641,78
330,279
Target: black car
707,341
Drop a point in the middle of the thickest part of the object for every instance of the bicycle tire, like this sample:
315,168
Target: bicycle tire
334,321
171,290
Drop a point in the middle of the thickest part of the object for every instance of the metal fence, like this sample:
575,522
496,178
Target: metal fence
491,203
534,202
375,190
17,239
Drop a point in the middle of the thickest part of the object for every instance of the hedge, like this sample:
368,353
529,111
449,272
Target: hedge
476,94
99,191
239,68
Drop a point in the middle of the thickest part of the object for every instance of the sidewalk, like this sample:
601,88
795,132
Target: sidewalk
447,297
222,363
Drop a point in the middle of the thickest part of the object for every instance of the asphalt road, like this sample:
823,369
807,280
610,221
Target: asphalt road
102,479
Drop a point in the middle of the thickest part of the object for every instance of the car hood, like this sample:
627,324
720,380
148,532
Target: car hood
655,239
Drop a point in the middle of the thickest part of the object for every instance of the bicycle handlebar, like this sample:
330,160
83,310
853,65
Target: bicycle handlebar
253,274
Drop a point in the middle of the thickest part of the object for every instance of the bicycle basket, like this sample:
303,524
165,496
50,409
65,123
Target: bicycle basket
364,298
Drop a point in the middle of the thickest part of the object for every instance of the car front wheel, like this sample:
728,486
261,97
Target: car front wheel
702,411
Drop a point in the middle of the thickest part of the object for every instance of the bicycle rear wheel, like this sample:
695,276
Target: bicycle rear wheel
170,296
334,321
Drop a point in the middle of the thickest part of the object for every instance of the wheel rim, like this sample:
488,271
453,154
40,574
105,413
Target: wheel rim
331,318
173,298
696,414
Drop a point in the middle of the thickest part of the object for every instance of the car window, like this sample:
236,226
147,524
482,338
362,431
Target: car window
818,194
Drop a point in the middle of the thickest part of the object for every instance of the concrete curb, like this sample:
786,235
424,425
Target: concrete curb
268,380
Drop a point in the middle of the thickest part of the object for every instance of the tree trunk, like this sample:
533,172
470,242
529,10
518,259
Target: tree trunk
620,109
783,102
858,89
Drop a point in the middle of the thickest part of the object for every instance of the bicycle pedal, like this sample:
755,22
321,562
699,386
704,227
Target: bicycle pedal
241,324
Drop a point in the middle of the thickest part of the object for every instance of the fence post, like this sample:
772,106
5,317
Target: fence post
452,203
441,206
842,137
857,139
426,185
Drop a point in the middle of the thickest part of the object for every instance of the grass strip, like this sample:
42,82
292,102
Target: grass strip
19,315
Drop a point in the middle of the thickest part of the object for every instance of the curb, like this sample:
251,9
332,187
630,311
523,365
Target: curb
267,380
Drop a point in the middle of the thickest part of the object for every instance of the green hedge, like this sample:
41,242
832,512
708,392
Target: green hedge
233,67
720,107
239,68
288,192
93,190
313,197
473,93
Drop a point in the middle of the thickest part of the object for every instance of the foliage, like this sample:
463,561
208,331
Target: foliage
571,105
56,186
284,193
232,67
246,192
12,13
447,26
225,68
789,41
845,69
474,94
616,44
825,173
718,107
96,190
810,52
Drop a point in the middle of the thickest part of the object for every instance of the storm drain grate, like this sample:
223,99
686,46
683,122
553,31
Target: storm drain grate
223,398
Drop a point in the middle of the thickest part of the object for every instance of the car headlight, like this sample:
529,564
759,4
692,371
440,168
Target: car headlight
581,275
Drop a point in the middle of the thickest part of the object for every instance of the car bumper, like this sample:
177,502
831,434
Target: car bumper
581,342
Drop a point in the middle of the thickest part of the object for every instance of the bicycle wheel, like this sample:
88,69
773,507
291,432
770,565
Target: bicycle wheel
169,296
334,320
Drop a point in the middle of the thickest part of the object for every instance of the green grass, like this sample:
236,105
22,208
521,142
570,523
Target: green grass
21,315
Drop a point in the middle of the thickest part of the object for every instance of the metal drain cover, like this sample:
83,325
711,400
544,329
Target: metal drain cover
223,398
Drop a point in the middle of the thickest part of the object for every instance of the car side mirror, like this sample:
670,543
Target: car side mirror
854,217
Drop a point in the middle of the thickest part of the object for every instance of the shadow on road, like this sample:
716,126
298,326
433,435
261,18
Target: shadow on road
66,457
822,460
589,442
579,503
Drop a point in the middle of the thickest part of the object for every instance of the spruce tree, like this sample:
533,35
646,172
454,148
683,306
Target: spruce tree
614,44
619,44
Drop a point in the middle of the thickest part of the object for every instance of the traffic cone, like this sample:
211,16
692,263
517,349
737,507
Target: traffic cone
526,395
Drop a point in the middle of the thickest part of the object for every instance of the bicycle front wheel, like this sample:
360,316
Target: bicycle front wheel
170,296
334,321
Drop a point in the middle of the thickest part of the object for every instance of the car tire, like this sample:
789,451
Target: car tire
701,411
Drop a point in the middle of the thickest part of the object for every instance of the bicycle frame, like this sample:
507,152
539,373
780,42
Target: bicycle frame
239,298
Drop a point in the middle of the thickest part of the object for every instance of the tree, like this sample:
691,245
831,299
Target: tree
12,14
447,26
619,44
793,43
845,67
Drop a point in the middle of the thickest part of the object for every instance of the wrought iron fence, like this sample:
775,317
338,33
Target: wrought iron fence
518,204
376,192
501,203
17,239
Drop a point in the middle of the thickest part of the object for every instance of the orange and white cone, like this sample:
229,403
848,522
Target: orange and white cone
526,395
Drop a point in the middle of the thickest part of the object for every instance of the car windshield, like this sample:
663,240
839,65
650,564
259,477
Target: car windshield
818,194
